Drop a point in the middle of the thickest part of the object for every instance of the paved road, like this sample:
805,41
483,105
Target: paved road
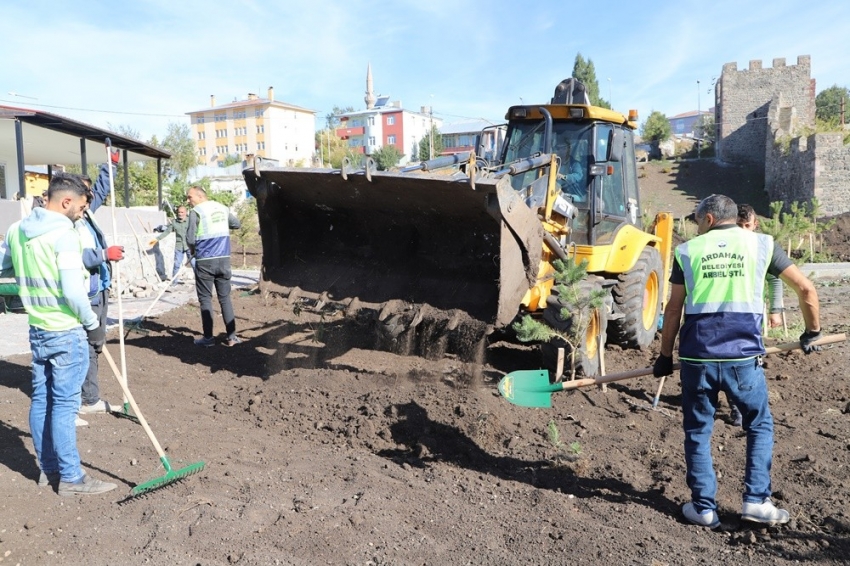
14,329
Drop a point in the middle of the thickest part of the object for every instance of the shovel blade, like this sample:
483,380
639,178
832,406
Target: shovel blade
528,388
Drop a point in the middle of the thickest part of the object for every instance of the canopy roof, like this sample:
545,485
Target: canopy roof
52,139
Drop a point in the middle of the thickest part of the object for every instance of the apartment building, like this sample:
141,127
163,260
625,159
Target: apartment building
254,126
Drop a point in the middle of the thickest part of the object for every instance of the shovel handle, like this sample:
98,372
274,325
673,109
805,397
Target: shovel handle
576,383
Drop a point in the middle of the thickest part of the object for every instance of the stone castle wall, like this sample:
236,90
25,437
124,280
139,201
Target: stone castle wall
742,99
802,167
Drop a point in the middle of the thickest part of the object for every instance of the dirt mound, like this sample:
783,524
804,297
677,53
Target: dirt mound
322,452
837,238
677,186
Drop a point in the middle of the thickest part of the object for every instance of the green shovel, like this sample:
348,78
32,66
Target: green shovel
532,388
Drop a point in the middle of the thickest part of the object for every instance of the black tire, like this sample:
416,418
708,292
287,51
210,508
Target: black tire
637,302
587,357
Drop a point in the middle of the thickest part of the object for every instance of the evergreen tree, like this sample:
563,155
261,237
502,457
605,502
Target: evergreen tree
425,144
585,71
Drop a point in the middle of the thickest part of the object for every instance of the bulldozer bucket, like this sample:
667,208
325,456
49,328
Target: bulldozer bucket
423,239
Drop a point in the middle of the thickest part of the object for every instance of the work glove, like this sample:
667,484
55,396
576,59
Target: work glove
152,243
114,155
115,253
806,339
663,366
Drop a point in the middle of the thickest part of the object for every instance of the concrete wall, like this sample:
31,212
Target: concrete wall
134,231
742,99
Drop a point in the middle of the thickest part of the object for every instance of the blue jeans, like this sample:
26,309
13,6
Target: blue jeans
745,387
60,361
179,256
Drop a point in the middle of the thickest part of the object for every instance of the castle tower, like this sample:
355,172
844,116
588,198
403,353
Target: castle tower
742,99
370,95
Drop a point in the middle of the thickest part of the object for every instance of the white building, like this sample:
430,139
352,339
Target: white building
254,126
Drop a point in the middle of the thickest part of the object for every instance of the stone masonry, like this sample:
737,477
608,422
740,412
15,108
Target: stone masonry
765,118
742,99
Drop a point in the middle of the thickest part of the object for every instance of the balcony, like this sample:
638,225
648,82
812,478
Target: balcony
345,133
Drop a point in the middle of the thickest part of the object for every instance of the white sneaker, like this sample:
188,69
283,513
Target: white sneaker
707,518
765,512
81,422
99,407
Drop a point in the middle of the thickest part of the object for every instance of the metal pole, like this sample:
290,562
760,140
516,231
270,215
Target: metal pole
159,182
83,163
19,149
699,121
610,100
126,182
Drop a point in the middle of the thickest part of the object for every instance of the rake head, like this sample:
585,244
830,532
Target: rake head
170,477
126,413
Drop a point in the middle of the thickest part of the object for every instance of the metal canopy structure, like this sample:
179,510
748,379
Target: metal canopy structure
34,137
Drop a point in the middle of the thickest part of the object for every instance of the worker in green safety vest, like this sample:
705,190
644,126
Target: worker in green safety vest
208,238
44,253
717,281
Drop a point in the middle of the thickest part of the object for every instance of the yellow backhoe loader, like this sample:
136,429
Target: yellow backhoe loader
449,250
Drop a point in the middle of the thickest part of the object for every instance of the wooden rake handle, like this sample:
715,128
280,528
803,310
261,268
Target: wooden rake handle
129,396
576,383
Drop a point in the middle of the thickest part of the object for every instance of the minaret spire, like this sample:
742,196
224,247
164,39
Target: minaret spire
370,95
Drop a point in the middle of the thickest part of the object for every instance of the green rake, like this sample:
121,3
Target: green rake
171,475
532,388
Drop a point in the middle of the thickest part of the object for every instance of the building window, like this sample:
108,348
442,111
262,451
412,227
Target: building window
238,114
371,120
371,140
199,119
221,117
261,129
390,120
258,113
202,135
391,140
261,145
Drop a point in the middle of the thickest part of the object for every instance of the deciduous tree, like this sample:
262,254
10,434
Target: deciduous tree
387,157
828,104
656,128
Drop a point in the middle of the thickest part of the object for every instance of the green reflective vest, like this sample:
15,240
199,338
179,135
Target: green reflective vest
724,272
37,276
212,239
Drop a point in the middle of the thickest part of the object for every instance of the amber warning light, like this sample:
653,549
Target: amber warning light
633,115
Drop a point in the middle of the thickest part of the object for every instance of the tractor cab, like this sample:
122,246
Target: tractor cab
596,171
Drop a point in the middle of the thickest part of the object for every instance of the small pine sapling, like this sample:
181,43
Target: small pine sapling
577,303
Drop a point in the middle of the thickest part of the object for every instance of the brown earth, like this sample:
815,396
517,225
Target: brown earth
321,451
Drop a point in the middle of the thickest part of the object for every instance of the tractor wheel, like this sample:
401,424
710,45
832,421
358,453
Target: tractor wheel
637,302
587,357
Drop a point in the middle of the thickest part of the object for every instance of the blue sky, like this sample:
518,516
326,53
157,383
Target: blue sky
146,63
